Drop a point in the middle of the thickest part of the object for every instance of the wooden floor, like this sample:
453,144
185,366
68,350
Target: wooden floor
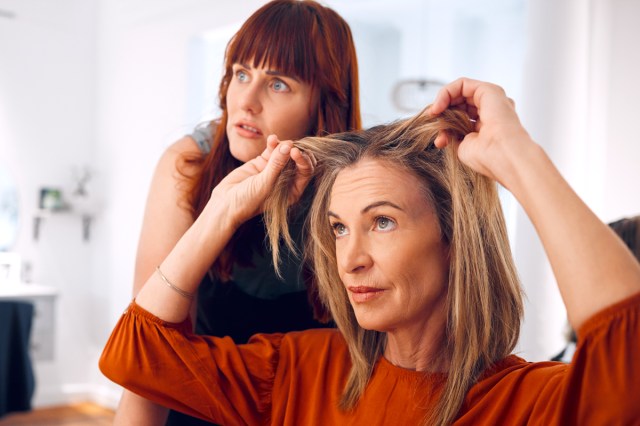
70,415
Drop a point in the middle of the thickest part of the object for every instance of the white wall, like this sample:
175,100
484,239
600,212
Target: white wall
622,143
47,126
579,102
142,108
105,83
98,83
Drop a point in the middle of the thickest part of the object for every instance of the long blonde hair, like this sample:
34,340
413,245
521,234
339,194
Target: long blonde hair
484,302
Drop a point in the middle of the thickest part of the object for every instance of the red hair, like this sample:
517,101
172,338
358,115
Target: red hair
299,38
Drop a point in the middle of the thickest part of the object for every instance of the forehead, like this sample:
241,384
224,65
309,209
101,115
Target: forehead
286,61
372,180
268,69
252,63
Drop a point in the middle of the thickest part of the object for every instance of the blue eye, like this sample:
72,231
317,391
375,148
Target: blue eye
384,223
242,76
280,86
339,229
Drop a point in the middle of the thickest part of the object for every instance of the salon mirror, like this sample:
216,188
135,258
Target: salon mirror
9,214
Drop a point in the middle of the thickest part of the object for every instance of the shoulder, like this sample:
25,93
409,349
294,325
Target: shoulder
514,375
514,387
625,313
316,336
310,342
202,136
313,359
194,145
184,146
313,338
174,163
514,372
321,343
308,350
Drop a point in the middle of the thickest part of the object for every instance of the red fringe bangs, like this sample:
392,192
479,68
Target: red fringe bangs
260,41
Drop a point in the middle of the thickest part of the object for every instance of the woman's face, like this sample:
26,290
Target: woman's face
262,101
389,250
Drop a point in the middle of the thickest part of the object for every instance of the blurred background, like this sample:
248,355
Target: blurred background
93,91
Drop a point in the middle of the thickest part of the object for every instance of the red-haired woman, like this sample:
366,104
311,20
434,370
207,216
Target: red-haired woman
290,71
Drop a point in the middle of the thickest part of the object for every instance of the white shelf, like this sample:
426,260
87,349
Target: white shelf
42,214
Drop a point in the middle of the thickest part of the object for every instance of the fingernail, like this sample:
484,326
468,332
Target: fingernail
284,149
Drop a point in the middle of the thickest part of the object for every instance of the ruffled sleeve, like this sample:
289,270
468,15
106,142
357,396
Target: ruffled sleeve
603,383
207,377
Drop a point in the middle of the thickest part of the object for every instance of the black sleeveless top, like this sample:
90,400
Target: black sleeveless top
255,300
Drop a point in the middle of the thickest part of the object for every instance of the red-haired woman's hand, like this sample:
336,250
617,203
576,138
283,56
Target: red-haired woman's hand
243,191
499,138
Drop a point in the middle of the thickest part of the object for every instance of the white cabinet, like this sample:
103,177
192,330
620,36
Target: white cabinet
43,327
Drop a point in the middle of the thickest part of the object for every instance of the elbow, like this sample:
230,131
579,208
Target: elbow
120,360
113,368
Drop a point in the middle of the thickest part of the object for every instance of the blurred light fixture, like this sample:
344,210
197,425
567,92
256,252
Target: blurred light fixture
7,14
412,95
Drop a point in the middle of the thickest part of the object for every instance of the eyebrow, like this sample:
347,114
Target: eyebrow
369,207
272,72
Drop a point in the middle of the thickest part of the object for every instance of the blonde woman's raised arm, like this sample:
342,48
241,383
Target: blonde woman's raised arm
592,266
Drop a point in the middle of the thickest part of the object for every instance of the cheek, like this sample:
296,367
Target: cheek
339,263
307,117
294,128
293,121
231,96
422,264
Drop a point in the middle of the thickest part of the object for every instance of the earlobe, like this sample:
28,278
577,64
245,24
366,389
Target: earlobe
442,140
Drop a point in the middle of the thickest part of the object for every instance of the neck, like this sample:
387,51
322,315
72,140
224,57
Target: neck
420,347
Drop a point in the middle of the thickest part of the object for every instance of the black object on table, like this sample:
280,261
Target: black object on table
17,382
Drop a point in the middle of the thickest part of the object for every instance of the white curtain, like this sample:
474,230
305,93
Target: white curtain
578,52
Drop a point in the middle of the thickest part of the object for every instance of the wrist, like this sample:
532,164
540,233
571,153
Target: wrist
524,170
218,222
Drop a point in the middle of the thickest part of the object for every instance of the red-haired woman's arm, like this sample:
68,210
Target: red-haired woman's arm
185,249
236,199
166,218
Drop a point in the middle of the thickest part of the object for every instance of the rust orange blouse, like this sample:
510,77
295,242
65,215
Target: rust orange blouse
297,378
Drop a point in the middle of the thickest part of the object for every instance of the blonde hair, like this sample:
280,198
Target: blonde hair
484,302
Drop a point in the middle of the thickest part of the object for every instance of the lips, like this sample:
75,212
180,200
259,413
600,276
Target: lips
247,129
362,294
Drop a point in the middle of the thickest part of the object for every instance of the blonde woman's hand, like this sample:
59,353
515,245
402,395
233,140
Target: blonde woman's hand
243,191
499,138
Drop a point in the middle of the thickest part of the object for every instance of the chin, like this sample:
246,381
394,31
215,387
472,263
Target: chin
370,322
240,157
245,149
243,155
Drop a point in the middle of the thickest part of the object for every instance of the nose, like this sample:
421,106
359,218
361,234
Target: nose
353,254
250,98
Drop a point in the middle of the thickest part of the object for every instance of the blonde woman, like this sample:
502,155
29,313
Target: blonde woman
411,257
